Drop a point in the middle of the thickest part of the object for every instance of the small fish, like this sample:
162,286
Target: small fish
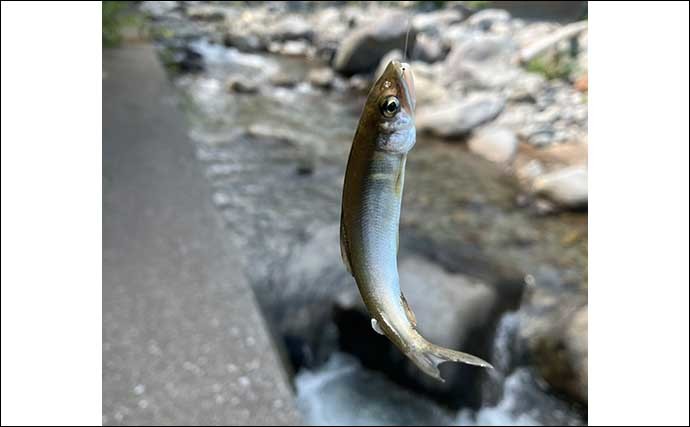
370,216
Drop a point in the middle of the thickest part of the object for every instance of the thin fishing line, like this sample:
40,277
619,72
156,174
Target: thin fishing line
407,35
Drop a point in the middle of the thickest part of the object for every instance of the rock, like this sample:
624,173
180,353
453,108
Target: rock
292,28
359,83
539,136
204,12
482,62
566,187
294,48
321,77
159,9
330,28
452,310
429,49
488,19
428,90
313,279
245,42
496,144
447,306
362,50
525,87
283,79
434,22
457,118
483,48
553,328
239,84
456,34
393,55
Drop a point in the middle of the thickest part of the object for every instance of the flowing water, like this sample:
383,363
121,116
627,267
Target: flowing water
275,160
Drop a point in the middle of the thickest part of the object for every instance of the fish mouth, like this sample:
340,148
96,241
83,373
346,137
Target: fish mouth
406,77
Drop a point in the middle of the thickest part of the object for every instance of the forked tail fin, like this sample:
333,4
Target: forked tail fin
429,356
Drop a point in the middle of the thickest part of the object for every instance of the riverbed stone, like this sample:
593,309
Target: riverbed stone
363,48
456,118
497,144
567,187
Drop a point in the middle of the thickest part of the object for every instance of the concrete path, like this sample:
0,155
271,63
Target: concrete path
183,340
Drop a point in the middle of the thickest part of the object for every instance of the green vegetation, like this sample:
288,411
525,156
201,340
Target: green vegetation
476,5
555,66
116,16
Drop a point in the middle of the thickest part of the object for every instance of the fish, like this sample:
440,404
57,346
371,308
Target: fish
370,216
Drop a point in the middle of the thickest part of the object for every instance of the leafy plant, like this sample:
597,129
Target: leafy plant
557,66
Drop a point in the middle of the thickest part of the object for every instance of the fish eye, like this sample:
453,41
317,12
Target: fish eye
390,106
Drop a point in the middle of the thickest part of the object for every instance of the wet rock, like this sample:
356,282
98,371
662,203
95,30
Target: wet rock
321,77
429,49
245,42
362,49
456,118
240,84
183,58
566,187
489,19
553,327
496,144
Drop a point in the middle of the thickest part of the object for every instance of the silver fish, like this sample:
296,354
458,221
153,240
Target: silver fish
370,216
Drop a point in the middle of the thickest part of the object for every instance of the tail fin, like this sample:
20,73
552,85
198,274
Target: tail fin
429,356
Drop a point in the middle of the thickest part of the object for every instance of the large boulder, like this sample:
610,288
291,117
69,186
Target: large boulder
456,118
362,49
553,328
482,62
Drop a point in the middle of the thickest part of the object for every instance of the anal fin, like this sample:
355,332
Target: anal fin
375,326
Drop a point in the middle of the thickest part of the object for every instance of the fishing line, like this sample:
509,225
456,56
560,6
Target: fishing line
407,35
